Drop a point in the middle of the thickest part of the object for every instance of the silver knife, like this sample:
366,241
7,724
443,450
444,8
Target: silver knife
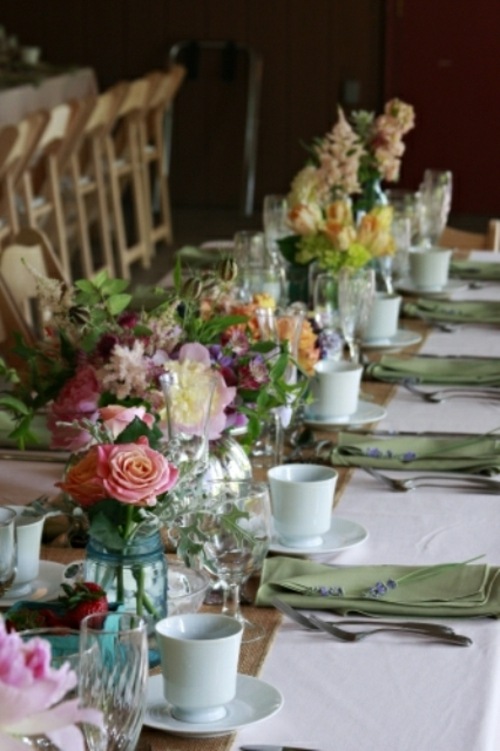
276,748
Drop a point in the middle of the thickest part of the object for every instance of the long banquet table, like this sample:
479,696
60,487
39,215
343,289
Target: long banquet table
389,693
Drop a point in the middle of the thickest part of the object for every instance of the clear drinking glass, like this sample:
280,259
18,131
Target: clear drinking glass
8,549
274,218
436,194
356,291
113,678
235,527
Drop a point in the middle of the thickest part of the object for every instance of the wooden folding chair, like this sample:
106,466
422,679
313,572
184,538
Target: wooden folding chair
463,240
41,180
12,323
88,187
126,169
29,251
164,87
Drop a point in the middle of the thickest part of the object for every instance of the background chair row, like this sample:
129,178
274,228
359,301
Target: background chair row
85,173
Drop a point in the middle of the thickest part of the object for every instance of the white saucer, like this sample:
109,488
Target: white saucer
255,701
46,587
366,412
402,338
453,285
342,534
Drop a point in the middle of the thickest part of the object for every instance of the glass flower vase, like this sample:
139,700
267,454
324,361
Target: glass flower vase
371,195
134,577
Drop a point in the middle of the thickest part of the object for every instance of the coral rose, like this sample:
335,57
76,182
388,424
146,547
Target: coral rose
82,481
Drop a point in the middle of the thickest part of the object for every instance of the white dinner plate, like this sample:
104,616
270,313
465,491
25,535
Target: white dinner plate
366,412
46,587
255,701
453,285
402,338
342,534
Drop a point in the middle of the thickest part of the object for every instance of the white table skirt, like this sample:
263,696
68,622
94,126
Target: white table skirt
18,101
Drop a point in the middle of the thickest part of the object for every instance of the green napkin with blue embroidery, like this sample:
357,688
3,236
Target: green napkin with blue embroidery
464,371
480,270
454,311
473,454
451,589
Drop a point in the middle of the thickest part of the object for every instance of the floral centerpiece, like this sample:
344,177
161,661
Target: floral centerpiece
98,374
32,696
336,210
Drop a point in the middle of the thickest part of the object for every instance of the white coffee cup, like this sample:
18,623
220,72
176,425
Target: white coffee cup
199,655
383,317
429,268
29,527
335,389
301,501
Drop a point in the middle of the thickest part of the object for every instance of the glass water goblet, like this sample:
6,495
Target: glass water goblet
235,528
113,678
8,549
356,291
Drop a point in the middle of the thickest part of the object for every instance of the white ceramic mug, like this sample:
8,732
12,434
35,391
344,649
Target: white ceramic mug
29,527
199,655
335,389
383,317
429,268
301,501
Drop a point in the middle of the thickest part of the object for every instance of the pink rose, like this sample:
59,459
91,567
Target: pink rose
134,473
77,400
116,417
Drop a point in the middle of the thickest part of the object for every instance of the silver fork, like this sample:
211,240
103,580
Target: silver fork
487,484
458,640
431,630
464,392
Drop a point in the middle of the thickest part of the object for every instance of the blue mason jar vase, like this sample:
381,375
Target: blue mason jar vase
134,577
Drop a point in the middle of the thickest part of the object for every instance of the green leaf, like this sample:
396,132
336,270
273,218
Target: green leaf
15,405
117,303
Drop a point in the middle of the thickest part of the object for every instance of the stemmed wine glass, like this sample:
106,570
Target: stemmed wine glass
8,549
234,525
356,291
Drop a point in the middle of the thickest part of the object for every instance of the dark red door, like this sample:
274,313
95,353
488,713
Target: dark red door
443,56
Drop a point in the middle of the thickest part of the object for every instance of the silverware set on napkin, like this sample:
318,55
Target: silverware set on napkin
434,631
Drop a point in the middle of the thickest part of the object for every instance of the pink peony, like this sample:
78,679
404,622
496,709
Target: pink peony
116,417
31,693
77,400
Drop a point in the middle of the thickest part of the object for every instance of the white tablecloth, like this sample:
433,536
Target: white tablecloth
18,101
400,693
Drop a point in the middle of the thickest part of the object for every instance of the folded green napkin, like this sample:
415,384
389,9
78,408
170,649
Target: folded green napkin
483,270
474,454
454,589
466,371
465,311
39,429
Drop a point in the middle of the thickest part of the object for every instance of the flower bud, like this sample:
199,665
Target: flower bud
227,269
192,288
79,314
